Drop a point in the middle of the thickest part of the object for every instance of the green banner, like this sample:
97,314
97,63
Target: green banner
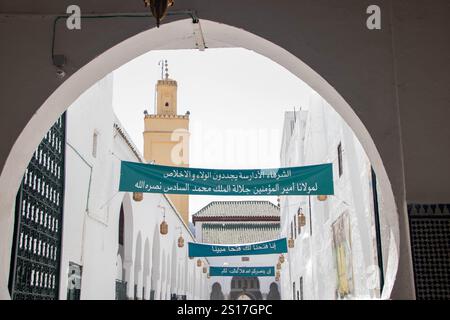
150,178
221,250
242,271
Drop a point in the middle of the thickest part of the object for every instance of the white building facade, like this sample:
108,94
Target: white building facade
111,244
336,251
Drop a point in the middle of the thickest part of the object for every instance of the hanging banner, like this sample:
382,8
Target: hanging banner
216,250
242,271
307,180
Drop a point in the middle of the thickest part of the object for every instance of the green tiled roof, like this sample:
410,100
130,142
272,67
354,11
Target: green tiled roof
239,232
239,209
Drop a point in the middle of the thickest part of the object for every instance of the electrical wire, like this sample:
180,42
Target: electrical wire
191,13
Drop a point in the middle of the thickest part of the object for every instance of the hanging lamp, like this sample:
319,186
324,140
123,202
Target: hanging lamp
180,239
163,227
138,196
158,8
291,243
301,218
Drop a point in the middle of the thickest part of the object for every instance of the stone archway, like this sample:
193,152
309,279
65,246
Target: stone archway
193,280
244,296
163,285
146,271
185,284
125,248
138,268
248,286
155,273
178,35
274,293
174,272
216,292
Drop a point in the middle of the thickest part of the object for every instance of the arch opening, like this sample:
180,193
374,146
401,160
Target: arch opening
146,272
216,292
274,293
177,35
138,268
174,273
125,248
155,267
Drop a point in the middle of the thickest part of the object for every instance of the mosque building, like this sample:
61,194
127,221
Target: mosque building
238,222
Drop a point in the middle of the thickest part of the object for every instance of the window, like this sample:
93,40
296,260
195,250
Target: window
167,104
94,144
339,150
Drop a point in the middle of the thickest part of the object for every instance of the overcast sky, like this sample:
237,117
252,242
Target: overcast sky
236,98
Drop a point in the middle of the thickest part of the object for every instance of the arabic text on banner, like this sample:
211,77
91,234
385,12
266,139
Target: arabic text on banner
214,250
242,271
150,178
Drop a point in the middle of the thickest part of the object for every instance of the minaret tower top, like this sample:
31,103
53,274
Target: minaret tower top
166,68
166,92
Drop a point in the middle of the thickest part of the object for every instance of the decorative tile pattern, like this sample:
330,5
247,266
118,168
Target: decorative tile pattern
239,209
234,233
430,244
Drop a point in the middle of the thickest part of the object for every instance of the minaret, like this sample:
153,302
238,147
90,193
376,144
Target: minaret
166,134
166,94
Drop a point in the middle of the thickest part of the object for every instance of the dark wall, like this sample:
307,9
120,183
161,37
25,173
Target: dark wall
422,61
